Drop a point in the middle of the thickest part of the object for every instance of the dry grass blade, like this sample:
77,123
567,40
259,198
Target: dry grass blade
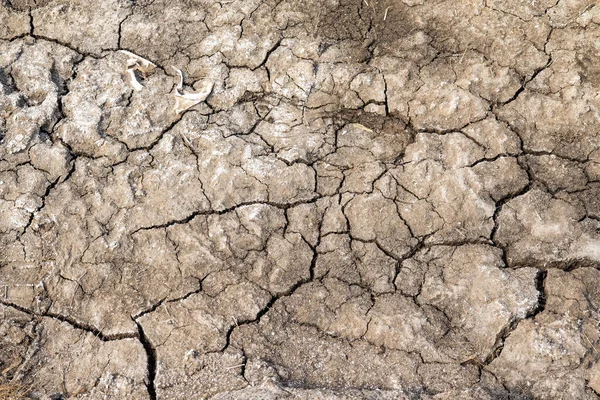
13,392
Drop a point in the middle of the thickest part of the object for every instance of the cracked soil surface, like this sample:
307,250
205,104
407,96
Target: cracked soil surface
379,199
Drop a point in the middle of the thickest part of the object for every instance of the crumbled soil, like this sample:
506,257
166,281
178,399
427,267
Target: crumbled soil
379,199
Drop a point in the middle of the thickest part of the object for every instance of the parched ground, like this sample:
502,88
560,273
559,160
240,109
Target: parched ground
379,199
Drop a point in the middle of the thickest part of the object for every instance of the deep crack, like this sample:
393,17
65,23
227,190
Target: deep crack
151,358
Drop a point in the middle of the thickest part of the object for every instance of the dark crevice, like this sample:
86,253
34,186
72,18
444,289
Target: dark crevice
31,26
499,206
540,285
259,315
263,63
120,29
49,189
539,153
74,323
185,220
165,301
243,366
151,361
65,44
525,82
91,329
313,261
149,309
385,92
500,340
187,295
490,159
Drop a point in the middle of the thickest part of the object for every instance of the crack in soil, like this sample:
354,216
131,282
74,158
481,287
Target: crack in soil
151,360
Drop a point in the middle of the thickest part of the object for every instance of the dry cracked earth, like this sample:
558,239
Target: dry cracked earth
379,199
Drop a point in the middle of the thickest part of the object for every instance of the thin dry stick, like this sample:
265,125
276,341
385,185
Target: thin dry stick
386,13
234,366
463,56
590,342
586,9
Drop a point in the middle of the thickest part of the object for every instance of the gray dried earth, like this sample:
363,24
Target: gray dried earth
379,199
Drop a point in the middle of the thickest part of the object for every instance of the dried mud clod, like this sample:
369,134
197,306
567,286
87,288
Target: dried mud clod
374,199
